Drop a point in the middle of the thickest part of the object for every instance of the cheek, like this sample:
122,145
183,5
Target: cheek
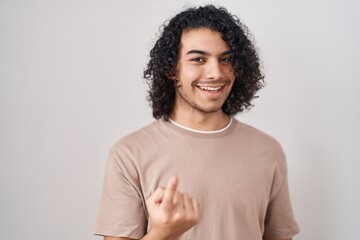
189,74
230,74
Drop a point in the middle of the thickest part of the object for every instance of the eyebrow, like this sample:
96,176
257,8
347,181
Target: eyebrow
206,53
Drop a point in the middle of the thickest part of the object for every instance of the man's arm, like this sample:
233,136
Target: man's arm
171,213
277,239
121,238
117,238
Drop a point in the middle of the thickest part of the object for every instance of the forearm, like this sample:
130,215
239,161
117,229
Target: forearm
276,239
151,235
148,236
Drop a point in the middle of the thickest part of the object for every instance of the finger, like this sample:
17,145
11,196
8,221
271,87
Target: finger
170,191
178,200
187,201
196,207
177,197
158,195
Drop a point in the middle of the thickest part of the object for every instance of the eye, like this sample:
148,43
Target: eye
225,59
197,59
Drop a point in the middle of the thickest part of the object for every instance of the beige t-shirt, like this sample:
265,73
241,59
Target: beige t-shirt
238,176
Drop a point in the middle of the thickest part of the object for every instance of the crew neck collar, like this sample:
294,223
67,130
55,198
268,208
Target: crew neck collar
202,131
199,133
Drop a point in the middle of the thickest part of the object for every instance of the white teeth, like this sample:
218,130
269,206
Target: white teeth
210,88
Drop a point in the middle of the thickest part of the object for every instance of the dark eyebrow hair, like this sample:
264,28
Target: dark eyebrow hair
206,53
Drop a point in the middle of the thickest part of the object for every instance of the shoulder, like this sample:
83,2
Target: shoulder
139,137
126,152
258,136
264,146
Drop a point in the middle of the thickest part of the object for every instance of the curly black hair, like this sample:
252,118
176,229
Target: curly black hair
161,68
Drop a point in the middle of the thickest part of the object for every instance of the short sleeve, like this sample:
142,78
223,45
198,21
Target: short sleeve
279,221
121,212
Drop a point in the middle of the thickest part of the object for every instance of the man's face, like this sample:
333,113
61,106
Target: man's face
204,71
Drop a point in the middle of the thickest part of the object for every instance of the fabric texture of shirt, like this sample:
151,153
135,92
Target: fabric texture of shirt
238,176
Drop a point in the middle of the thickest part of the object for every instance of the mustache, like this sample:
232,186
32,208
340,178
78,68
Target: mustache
211,82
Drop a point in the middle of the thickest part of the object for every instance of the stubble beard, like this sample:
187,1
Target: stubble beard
193,106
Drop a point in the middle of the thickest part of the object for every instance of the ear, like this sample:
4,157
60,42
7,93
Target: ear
174,77
177,83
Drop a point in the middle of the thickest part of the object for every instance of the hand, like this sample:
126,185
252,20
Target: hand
171,213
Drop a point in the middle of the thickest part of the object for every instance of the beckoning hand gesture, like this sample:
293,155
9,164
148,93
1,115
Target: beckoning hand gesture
171,212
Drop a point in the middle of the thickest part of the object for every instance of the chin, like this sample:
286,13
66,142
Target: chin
213,109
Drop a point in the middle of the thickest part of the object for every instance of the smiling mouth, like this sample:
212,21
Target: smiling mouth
210,88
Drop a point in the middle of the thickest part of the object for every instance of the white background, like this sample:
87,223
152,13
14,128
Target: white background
71,85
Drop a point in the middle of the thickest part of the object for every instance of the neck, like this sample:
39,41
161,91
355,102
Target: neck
201,121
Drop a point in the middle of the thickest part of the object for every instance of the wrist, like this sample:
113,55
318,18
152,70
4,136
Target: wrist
158,234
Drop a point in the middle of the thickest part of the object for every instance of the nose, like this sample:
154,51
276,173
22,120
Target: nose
214,70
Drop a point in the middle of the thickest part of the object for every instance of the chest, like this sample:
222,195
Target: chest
220,176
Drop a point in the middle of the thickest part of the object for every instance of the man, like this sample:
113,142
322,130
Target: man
197,173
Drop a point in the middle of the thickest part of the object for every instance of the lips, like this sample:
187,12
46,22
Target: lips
210,88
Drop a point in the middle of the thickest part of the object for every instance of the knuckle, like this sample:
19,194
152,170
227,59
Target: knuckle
193,220
166,219
180,215
196,219
190,217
